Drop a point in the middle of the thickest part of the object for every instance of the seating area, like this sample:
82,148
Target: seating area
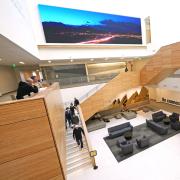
119,130
95,124
129,115
127,140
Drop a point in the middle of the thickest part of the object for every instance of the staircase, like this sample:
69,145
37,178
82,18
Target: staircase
76,159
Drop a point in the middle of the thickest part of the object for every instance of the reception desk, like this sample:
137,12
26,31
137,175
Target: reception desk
32,137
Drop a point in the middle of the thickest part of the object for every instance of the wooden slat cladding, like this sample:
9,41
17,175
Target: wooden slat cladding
22,110
43,165
24,138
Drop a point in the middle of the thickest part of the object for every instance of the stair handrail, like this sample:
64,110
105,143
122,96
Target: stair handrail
90,92
87,139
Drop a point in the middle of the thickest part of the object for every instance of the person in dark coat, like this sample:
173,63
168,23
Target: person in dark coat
72,109
75,119
77,134
76,102
25,88
68,117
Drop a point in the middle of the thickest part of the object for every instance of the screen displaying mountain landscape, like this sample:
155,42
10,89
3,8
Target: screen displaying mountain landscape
64,25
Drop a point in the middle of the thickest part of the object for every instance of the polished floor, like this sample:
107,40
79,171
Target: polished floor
159,162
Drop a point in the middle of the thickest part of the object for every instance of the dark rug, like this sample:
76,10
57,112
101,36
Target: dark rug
138,132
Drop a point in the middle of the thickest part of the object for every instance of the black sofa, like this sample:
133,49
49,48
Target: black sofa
157,127
158,116
174,117
119,130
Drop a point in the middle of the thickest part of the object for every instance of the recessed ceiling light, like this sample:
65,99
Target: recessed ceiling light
92,59
21,62
72,60
49,61
0,59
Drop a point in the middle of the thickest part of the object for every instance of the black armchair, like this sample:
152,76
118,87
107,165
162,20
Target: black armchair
126,147
158,116
174,117
143,142
175,125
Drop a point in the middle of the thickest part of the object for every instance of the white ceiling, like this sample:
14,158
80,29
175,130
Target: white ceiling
11,53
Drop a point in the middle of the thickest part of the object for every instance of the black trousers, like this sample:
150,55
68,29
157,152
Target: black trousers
79,142
69,122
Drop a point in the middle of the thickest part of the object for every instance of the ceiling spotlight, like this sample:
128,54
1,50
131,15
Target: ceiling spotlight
72,60
21,62
49,61
92,59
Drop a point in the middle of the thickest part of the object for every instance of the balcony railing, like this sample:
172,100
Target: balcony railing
79,80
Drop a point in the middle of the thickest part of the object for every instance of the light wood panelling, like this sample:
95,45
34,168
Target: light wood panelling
24,138
132,98
162,64
43,165
105,95
32,137
55,109
21,110
143,95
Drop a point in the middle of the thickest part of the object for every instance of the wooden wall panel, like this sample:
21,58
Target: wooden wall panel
161,65
24,138
55,109
21,110
104,97
32,137
43,165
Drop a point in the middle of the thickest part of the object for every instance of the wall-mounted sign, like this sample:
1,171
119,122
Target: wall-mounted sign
171,101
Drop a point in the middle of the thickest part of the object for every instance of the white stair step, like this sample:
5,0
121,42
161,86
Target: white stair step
68,132
77,157
72,143
82,153
79,160
69,135
79,166
69,140
74,151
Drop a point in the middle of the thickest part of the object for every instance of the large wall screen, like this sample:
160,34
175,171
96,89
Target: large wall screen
64,25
